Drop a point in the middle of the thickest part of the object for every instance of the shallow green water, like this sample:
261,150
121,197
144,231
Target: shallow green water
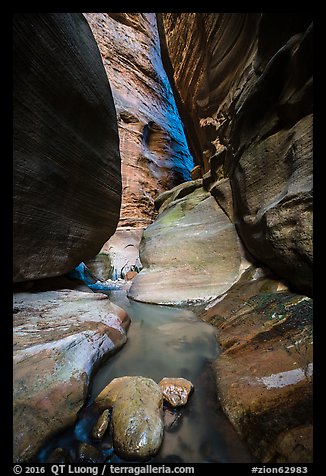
167,342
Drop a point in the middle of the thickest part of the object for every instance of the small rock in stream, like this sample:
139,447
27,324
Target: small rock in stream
88,454
130,275
171,419
58,455
101,426
176,391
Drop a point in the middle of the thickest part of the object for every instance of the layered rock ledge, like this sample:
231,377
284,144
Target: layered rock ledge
59,337
265,369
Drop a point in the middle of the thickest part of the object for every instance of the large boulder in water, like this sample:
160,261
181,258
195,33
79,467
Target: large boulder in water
137,416
67,179
190,253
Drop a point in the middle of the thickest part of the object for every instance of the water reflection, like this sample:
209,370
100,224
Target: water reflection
162,342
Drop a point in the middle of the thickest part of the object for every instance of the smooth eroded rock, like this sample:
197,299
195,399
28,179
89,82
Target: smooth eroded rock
123,251
273,197
66,162
100,266
137,416
59,336
176,390
163,200
190,253
222,192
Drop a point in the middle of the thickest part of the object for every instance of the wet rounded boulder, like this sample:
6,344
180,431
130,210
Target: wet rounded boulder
176,391
137,416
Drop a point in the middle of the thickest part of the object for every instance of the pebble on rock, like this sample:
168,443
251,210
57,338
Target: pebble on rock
88,454
58,455
101,425
176,391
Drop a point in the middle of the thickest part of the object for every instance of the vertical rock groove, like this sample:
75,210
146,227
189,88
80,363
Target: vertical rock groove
187,121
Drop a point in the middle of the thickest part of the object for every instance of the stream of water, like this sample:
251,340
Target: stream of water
166,342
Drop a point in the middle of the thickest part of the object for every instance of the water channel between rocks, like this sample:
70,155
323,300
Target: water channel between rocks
165,342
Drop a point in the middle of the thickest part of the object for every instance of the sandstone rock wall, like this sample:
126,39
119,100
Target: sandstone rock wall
123,250
154,151
246,81
67,182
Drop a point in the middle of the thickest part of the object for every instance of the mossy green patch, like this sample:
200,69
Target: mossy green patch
269,303
278,305
169,217
177,211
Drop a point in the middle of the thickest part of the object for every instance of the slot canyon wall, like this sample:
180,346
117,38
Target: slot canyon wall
154,152
67,172
66,204
245,84
90,164
72,139
153,147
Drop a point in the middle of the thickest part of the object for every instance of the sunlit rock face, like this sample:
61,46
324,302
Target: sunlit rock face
67,182
153,148
245,83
